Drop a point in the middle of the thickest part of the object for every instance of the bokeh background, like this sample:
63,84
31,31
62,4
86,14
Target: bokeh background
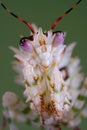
42,13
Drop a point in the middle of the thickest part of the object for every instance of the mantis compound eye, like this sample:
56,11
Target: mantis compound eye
25,44
59,38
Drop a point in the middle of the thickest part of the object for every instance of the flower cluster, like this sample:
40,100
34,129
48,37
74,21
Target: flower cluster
54,87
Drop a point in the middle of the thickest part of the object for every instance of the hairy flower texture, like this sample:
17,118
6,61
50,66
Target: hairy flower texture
54,87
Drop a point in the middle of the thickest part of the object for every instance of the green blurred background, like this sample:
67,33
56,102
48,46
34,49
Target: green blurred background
42,13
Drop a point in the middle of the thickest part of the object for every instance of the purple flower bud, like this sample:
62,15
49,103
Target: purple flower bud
25,44
59,38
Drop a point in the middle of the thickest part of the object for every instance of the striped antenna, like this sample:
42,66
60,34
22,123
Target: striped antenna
64,14
19,18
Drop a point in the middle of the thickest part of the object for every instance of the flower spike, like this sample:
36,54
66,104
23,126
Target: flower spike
19,18
64,14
